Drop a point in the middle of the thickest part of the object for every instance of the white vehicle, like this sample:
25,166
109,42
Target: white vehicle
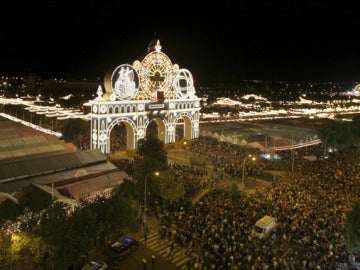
264,225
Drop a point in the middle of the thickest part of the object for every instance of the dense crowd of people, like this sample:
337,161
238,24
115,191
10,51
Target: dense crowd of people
194,179
309,204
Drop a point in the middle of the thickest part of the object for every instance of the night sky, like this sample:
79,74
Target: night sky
226,41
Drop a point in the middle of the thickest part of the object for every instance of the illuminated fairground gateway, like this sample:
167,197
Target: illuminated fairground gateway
136,95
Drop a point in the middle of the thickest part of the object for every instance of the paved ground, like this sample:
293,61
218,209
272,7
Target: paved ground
180,155
154,246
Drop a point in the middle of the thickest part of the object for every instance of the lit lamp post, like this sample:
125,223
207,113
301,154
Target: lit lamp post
243,171
145,194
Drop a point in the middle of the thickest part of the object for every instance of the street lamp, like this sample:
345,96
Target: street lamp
145,194
243,171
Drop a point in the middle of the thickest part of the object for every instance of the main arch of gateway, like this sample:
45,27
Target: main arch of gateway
153,89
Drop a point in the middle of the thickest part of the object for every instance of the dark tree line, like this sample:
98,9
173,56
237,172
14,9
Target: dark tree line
339,134
152,158
52,236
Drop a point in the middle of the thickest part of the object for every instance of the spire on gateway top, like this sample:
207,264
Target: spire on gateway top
158,46
154,45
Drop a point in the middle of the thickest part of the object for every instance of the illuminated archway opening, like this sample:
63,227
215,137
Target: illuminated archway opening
179,129
118,138
157,127
121,136
184,127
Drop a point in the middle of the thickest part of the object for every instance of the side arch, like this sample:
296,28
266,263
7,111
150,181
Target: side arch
130,132
188,127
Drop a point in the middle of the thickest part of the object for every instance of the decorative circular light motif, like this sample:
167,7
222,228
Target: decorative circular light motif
125,82
95,109
197,104
171,106
156,74
171,129
184,84
103,109
141,107
140,133
137,64
112,97
94,136
196,124
102,137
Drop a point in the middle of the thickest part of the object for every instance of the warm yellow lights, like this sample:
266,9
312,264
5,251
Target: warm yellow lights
156,74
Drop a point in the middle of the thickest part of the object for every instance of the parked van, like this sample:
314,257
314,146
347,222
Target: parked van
264,225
